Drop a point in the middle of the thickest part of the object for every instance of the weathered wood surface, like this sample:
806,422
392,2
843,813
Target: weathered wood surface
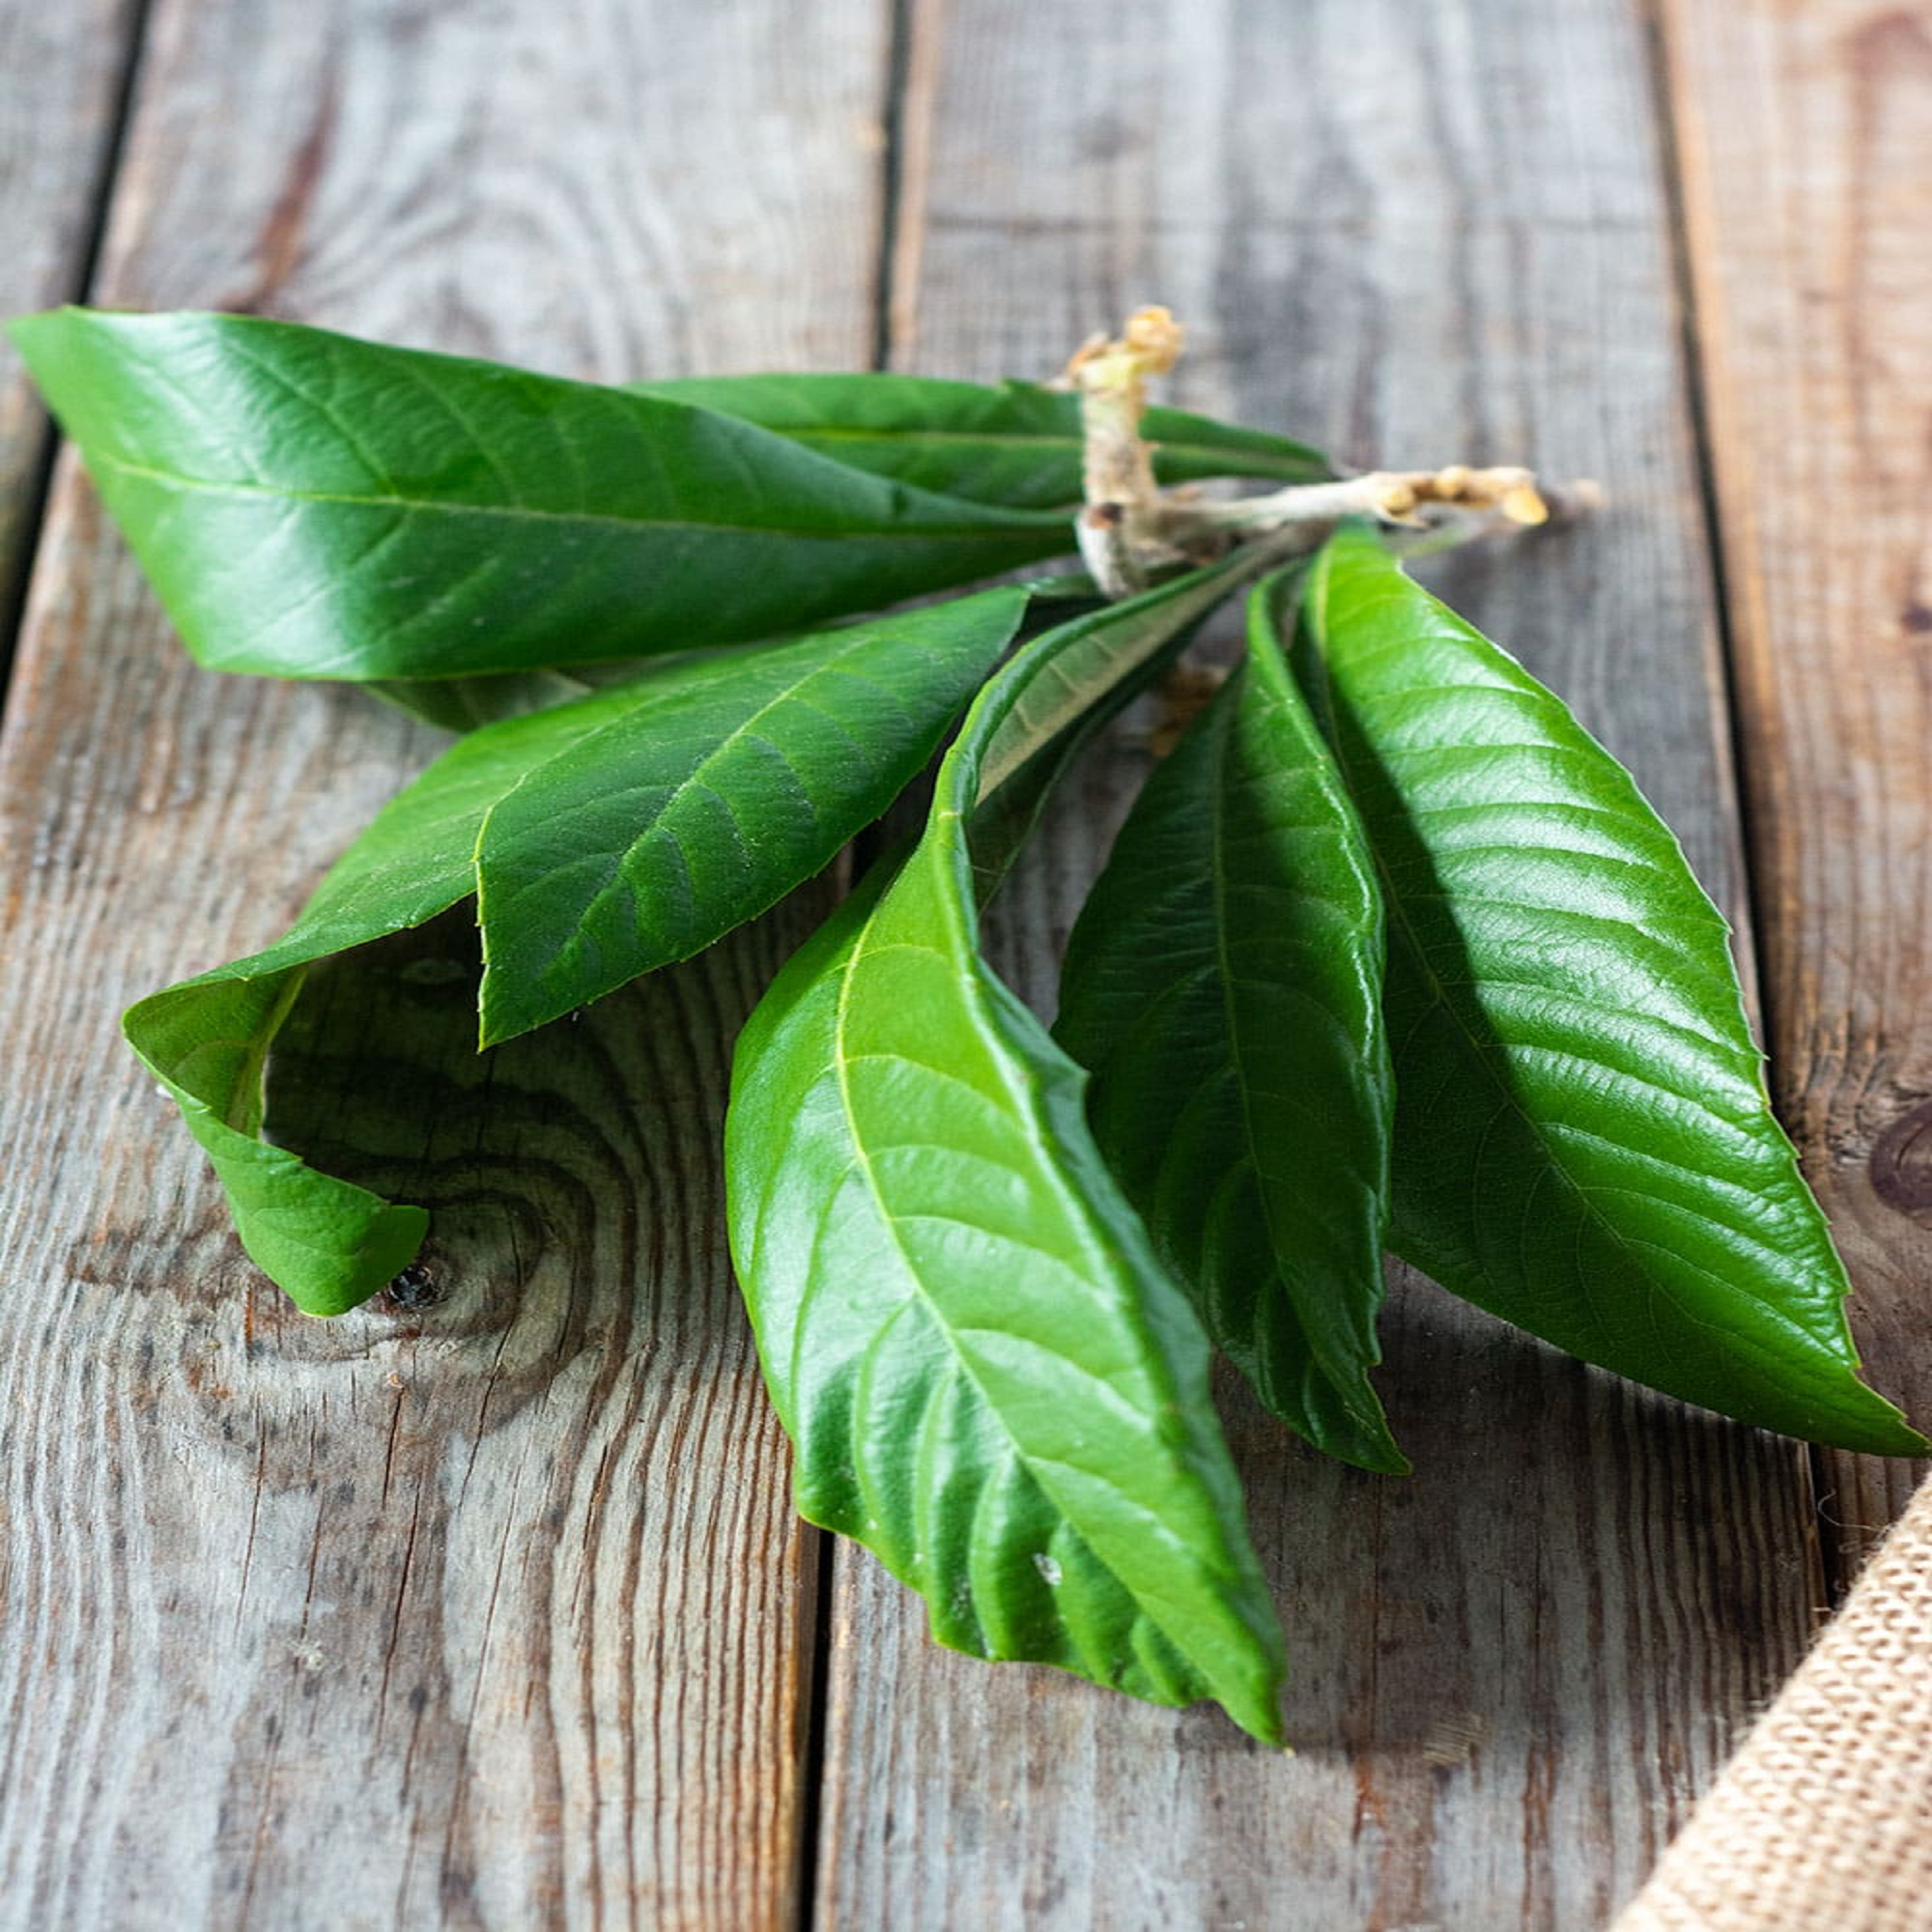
494,1613
1805,135
62,75
1413,234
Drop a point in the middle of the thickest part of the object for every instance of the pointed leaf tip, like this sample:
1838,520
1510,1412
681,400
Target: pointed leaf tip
990,1380
1582,1144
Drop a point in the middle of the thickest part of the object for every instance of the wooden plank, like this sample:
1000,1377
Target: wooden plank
495,1612
1806,136
1419,234
61,74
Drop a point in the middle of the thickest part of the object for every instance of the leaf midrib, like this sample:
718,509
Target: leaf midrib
526,513
1512,1102
862,640
1026,1458
1338,1377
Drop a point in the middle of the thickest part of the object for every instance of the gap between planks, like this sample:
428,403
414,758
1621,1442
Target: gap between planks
28,478
891,268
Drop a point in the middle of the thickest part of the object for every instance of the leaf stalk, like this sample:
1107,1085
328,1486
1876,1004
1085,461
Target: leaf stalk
1128,526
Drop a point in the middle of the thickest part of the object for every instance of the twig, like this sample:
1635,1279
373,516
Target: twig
1128,525
1118,527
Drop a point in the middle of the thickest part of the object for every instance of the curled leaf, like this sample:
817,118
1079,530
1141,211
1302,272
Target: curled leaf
611,835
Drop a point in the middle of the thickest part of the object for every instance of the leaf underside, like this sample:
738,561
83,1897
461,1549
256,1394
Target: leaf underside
1583,1143
1223,984
991,1380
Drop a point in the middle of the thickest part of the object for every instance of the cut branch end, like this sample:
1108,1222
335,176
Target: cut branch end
1128,526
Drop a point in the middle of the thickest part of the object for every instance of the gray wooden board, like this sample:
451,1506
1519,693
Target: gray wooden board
493,1613
62,71
1418,235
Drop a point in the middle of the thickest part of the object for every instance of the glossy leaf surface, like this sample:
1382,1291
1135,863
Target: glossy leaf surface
991,1380
611,835
1014,443
1223,985
311,505
1583,1144
699,805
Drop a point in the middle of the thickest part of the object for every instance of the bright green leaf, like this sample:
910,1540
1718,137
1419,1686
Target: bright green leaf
617,834
1583,1144
1016,443
991,1381
309,505
1223,985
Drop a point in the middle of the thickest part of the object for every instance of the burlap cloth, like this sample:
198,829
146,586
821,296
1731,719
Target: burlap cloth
1822,1821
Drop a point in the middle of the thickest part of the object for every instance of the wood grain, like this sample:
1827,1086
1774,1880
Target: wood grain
1419,235
492,1612
62,71
1805,134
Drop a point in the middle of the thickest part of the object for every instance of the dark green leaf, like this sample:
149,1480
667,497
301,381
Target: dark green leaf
1016,445
991,1381
1223,984
695,809
611,837
1582,1139
463,704
308,505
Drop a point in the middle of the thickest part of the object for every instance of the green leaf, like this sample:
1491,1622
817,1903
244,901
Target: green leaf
467,703
308,505
1016,443
1583,1144
1223,985
643,840
991,1381
1099,663
611,835
329,1244
463,704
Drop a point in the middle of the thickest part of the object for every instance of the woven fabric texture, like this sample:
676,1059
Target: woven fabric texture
1822,1821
